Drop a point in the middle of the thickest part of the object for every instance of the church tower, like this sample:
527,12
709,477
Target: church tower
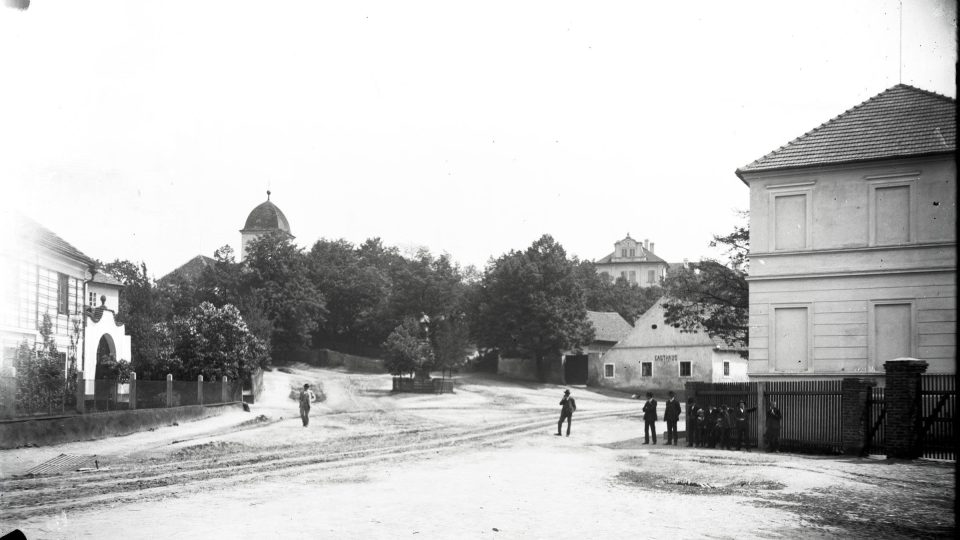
265,218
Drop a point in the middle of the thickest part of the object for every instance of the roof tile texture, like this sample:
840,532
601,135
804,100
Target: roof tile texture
902,121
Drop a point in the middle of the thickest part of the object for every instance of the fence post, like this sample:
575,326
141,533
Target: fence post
169,390
200,389
854,393
901,400
81,393
761,414
223,390
133,390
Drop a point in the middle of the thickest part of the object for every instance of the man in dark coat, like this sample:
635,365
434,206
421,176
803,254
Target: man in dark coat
703,428
567,406
650,419
774,416
723,427
740,424
693,427
672,415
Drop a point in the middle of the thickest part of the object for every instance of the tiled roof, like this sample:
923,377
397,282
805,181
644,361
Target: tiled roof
33,231
106,279
649,257
191,269
608,325
899,122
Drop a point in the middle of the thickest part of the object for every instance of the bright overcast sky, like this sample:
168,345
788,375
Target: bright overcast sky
149,130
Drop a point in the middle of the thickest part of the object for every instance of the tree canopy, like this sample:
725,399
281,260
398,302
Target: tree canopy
711,295
532,304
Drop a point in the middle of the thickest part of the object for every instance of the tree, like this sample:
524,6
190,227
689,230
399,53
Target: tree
40,373
531,304
603,293
215,342
450,341
407,349
713,296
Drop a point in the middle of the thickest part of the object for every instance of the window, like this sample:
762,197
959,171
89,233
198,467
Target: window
633,252
623,274
726,369
684,369
651,276
646,369
63,293
608,371
893,332
892,222
92,299
623,252
633,276
790,335
790,221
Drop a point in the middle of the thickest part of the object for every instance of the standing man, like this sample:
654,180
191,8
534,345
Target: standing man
672,416
306,396
650,419
693,427
567,406
773,427
740,425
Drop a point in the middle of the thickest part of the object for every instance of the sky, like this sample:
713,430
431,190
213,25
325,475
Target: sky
148,130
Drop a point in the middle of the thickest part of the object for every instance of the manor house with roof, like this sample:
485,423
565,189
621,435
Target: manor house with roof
635,262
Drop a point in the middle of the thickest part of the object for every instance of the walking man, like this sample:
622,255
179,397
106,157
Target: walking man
773,427
650,419
567,406
672,416
306,396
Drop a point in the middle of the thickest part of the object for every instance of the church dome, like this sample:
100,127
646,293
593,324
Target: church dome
266,217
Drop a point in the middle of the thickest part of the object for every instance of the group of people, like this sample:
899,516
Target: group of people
707,427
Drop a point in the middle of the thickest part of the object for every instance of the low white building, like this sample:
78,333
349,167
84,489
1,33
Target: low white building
655,356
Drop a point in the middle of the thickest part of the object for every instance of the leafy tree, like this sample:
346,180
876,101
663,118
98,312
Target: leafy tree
40,373
450,341
140,304
531,304
712,295
215,342
603,293
407,349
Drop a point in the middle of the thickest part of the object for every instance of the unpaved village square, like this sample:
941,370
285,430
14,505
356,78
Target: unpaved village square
480,463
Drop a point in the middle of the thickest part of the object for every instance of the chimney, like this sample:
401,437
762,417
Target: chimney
646,244
651,248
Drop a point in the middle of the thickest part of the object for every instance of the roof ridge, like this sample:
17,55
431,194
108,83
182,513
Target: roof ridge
816,129
923,91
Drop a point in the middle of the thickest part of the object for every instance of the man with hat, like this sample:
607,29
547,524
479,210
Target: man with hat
672,416
650,419
567,406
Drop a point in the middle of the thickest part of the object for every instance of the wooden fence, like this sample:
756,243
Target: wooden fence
938,406
812,413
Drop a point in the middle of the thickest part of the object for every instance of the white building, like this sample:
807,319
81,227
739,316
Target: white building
633,261
42,274
853,257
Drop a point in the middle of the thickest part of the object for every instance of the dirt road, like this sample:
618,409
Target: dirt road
481,462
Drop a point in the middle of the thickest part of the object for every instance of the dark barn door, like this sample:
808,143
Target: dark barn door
575,369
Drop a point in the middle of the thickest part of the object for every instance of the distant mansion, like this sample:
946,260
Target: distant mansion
853,254
635,262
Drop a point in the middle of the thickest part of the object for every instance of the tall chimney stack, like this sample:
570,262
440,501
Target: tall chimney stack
646,243
651,248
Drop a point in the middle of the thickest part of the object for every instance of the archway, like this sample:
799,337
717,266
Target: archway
106,358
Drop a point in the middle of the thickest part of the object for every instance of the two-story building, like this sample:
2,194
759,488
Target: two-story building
633,261
853,242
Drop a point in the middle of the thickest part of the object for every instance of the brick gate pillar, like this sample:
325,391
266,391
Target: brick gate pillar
902,399
854,395
169,390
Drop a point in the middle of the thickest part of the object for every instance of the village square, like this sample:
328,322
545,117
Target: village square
457,357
